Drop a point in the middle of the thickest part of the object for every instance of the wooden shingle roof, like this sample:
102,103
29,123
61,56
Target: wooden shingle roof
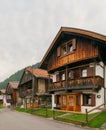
38,72
13,84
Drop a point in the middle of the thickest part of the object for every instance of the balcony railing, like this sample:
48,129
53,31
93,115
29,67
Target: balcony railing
9,91
82,83
74,57
24,93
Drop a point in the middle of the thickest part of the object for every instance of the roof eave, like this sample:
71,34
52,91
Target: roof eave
76,31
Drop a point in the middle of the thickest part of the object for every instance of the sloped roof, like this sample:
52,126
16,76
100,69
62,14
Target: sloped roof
13,84
74,31
3,90
38,72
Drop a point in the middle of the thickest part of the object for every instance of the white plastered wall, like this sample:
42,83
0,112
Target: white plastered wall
99,69
98,72
53,101
99,101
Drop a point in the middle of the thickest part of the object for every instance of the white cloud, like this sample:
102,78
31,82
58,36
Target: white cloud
27,28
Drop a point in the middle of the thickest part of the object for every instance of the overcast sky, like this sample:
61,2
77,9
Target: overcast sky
27,27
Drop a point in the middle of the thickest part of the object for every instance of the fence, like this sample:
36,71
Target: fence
96,108
86,115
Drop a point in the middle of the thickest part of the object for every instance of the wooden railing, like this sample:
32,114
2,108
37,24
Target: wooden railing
88,82
9,91
101,107
68,59
24,93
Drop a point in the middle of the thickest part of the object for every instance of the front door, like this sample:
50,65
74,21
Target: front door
64,102
73,102
70,102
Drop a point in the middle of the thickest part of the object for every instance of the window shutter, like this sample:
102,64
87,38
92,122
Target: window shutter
74,43
90,71
72,74
57,78
58,51
93,100
55,99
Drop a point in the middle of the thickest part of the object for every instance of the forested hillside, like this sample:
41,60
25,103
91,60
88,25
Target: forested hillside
15,77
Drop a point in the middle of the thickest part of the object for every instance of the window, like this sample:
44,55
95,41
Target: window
57,78
64,100
78,100
71,101
70,47
71,74
67,48
63,76
84,73
64,50
57,99
89,99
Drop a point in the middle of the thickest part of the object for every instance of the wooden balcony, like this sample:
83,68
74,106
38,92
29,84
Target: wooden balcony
72,58
9,91
25,89
82,83
24,93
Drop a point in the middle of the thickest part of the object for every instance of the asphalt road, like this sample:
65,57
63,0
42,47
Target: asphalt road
13,120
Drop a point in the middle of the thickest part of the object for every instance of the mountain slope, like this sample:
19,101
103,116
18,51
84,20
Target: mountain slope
15,77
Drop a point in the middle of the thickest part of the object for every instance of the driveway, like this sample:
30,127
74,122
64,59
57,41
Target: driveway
13,120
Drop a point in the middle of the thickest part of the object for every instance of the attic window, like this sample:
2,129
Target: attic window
64,50
69,47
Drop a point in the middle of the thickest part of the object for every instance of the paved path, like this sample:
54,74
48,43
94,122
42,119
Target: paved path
12,120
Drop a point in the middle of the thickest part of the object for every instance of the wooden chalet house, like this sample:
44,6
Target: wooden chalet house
2,93
33,87
12,95
77,60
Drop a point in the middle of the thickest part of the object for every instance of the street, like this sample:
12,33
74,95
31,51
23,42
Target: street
13,120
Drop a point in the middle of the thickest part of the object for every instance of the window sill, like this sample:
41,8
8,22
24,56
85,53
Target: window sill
69,53
87,106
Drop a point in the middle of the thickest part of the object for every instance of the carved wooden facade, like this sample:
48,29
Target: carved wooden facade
76,59
12,95
33,87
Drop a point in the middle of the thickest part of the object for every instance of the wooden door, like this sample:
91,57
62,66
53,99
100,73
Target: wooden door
70,102
73,103
63,102
78,103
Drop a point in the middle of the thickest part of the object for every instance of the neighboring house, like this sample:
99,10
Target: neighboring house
33,87
77,61
12,95
2,93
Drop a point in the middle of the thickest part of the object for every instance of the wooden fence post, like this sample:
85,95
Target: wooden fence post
54,114
86,117
46,111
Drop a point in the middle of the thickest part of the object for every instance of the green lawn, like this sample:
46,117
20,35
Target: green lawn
71,118
1,106
80,117
95,123
23,110
40,112
98,121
